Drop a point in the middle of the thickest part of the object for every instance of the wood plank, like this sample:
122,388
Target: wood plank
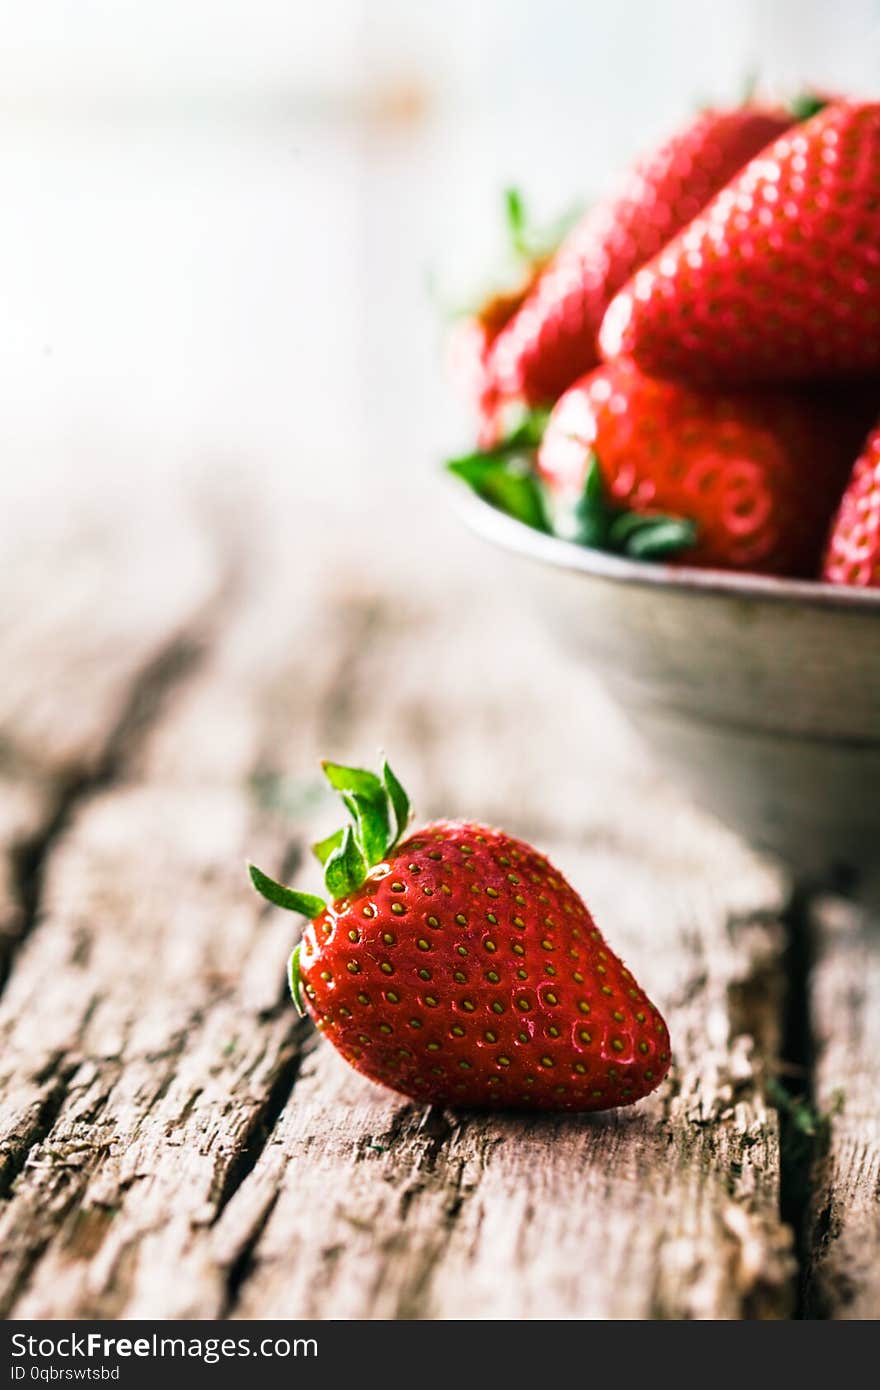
844,1280
195,1158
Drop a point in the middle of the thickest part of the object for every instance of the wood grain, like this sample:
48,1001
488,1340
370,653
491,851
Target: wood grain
844,1273
176,1144
97,619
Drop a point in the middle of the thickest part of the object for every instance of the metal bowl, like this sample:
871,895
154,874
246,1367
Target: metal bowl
761,695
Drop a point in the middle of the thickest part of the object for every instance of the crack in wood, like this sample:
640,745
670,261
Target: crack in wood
799,1151
262,1122
149,690
14,1156
842,1215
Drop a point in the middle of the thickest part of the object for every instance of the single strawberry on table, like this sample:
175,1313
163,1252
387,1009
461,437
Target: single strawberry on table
457,965
853,552
551,339
779,277
727,479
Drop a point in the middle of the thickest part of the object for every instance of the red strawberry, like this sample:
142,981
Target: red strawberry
779,278
470,345
853,553
460,968
758,474
530,249
552,339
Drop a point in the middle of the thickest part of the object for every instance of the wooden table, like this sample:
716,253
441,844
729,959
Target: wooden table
174,1142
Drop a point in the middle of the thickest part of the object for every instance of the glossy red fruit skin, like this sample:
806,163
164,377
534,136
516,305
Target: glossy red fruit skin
779,278
853,552
760,472
552,339
470,346
467,972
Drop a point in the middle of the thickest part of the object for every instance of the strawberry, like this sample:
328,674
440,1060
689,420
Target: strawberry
470,345
756,475
459,967
552,339
779,277
853,552
530,249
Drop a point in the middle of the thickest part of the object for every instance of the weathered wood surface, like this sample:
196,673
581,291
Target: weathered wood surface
174,1143
92,629
844,1274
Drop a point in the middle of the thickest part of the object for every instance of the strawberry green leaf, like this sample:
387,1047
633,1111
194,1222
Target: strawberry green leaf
345,869
282,896
293,979
508,484
601,525
626,525
515,218
594,488
398,799
531,243
370,815
352,779
591,516
322,849
660,536
807,104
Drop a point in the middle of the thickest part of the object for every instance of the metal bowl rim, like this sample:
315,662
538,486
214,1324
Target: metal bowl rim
494,525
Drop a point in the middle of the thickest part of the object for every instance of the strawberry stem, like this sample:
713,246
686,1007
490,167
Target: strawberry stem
379,809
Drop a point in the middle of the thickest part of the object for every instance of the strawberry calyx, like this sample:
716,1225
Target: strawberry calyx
281,896
379,808
532,244
595,522
506,477
528,251
806,104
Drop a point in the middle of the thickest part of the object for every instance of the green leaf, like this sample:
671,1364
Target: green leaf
282,896
594,488
529,432
518,494
352,779
370,814
515,218
398,799
664,535
625,525
293,979
507,484
807,104
345,869
322,849
591,515
533,243
523,439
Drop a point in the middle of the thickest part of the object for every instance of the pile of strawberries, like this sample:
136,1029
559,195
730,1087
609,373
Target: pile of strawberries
696,371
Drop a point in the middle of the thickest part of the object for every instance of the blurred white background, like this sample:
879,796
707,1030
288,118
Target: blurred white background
220,218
